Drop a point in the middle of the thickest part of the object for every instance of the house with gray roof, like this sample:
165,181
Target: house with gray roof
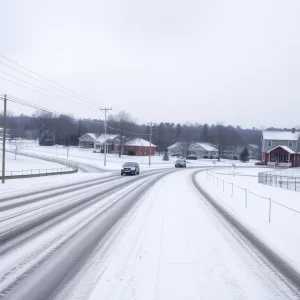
281,148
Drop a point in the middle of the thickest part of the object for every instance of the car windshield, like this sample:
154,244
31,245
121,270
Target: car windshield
129,164
180,161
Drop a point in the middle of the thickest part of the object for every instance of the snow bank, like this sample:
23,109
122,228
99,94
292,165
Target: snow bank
249,201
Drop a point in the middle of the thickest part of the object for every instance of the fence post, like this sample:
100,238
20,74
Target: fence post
223,186
280,181
231,190
270,201
246,199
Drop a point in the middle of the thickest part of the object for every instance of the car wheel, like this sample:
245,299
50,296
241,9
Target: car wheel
138,172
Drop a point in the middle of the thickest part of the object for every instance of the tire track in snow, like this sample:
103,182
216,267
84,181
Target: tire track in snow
283,269
48,276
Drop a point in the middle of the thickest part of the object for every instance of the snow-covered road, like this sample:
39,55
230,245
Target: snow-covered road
151,236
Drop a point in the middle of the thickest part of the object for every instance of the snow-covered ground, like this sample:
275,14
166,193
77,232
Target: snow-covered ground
81,238
15,166
280,233
176,248
114,162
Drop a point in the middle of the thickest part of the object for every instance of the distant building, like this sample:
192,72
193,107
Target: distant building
254,151
281,148
111,141
88,140
139,146
201,150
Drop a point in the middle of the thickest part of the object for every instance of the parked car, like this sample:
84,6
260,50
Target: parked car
180,163
130,168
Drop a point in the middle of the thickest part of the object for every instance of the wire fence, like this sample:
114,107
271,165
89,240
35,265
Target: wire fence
277,179
231,187
70,167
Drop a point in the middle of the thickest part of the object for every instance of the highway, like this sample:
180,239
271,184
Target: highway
152,236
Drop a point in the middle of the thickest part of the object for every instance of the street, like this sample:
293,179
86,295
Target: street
152,236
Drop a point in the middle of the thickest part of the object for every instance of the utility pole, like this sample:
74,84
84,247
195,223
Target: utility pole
150,133
4,140
105,110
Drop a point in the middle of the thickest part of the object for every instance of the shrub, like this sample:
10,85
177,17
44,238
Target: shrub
260,163
211,157
235,158
205,156
194,157
130,152
166,157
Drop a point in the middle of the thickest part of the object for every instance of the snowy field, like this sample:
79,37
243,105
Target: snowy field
15,166
114,162
253,210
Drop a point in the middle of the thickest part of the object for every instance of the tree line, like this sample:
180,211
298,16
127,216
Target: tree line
67,130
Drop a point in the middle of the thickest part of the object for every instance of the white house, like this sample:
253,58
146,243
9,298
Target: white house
112,142
200,149
175,149
88,140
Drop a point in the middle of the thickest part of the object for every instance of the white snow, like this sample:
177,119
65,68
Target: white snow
286,148
280,234
280,135
94,136
174,247
101,138
139,142
207,147
15,166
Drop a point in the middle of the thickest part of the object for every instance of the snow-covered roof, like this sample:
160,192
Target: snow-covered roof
138,142
94,136
280,135
207,146
286,148
177,144
253,146
101,138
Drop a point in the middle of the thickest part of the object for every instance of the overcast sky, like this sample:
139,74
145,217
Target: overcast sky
236,62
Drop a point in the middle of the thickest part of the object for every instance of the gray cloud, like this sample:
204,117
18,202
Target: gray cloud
197,61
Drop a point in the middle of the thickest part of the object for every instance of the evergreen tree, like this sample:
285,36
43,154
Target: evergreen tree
244,155
205,134
166,157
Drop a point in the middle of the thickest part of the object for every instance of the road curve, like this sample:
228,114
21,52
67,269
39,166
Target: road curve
67,221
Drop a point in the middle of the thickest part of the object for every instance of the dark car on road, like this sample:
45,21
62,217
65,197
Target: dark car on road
131,168
180,163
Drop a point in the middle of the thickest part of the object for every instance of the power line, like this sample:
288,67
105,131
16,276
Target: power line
27,69
45,83
38,91
36,86
57,113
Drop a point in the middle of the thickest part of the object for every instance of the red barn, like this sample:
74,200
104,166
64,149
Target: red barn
138,147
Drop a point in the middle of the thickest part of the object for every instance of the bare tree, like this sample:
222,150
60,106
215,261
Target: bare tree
124,126
16,146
